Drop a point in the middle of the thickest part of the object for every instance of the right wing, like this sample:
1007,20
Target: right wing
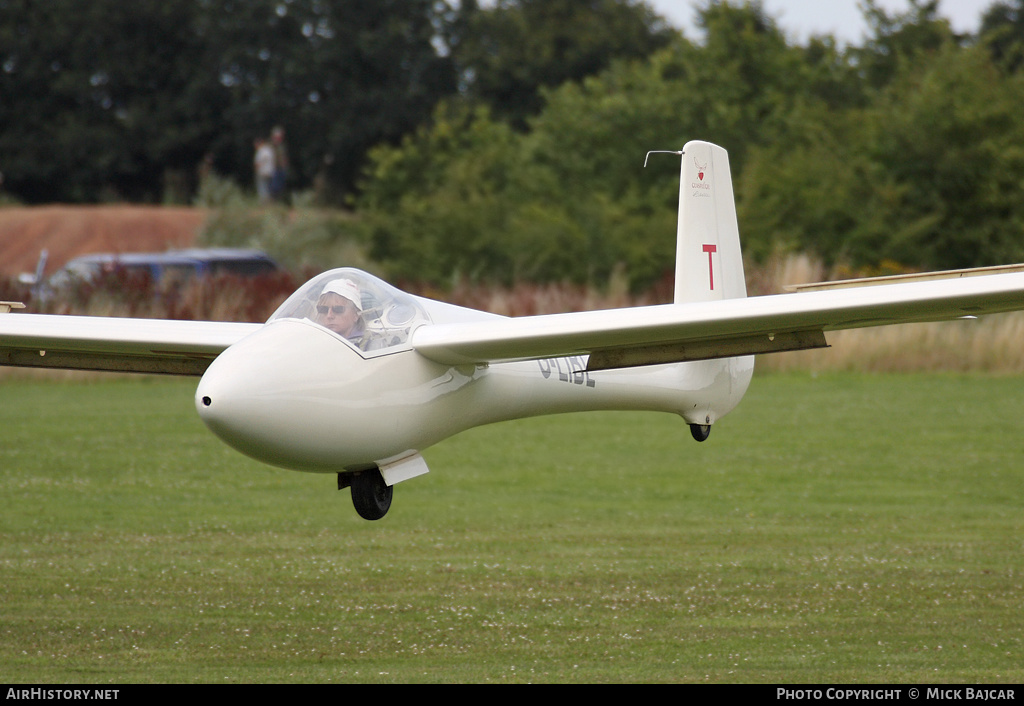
716,329
115,344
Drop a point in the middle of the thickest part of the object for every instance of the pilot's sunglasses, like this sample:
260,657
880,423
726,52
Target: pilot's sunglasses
336,310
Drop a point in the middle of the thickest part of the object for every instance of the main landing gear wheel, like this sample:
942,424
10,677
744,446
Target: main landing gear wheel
371,496
700,432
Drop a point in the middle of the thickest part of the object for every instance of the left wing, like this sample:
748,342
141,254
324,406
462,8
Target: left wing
703,330
115,344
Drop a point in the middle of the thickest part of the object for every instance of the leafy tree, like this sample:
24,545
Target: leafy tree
105,97
507,53
85,105
900,40
809,191
1002,30
465,200
952,140
929,175
436,208
571,199
110,100
339,77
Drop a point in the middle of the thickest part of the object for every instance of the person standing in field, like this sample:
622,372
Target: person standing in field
280,179
263,165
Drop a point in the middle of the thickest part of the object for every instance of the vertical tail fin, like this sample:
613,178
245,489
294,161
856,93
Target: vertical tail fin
709,262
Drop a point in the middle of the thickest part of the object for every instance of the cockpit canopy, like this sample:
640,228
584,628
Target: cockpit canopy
389,315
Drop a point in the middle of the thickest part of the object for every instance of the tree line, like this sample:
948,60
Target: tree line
106,99
906,152
506,142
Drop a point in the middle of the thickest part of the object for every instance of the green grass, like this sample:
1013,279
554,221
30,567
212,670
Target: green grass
840,528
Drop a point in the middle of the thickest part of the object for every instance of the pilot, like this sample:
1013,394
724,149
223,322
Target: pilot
339,308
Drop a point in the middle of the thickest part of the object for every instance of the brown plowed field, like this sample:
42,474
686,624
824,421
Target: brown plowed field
68,231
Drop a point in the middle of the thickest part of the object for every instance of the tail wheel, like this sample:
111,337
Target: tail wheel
700,432
371,496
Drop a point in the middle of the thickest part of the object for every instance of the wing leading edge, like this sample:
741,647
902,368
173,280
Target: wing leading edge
696,331
115,344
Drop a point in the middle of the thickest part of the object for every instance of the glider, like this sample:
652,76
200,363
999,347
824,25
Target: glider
354,377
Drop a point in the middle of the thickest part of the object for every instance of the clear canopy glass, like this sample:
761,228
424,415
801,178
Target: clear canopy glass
388,315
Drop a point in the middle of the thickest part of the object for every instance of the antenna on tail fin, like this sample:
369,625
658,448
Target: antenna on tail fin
659,152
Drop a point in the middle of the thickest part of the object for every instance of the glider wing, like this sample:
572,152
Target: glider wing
115,344
730,327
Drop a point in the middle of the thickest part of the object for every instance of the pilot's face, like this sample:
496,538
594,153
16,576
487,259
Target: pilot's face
337,313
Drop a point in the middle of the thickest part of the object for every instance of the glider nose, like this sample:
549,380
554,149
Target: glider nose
264,395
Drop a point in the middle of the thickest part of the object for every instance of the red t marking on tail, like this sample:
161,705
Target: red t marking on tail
709,249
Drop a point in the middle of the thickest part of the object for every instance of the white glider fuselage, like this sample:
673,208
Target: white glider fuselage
298,396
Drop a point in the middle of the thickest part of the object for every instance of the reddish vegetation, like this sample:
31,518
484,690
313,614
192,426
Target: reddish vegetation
68,231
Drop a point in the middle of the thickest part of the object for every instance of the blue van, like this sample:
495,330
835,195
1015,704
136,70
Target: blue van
171,267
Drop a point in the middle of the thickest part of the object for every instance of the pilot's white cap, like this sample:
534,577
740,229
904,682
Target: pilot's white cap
345,288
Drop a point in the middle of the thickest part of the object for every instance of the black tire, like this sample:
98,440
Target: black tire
700,432
371,496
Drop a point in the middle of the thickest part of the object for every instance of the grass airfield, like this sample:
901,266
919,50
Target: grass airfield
837,528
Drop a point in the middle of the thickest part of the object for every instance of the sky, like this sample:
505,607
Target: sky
799,19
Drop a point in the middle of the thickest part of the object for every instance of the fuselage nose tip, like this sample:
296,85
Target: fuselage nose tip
204,402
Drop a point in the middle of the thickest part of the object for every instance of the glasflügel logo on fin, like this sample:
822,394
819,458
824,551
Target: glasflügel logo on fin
699,186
